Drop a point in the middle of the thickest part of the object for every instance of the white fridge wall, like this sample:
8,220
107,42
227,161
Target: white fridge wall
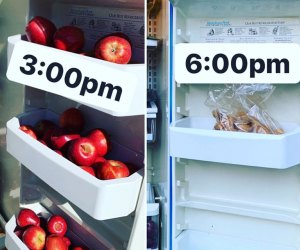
219,206
234,207
239,190
193,239
236,8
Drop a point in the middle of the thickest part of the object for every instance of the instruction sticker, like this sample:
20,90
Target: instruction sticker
100,21
255,30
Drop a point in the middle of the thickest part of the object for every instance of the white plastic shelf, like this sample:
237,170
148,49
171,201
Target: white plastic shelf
129,79
101,199
263,211
194,138
191,239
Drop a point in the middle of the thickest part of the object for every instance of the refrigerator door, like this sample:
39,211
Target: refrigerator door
228,193
103,214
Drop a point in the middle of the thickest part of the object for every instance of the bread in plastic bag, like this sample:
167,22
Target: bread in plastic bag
238,107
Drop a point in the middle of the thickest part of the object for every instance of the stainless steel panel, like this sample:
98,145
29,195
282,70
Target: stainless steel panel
12,21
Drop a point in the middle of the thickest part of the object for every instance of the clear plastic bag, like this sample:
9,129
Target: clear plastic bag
238,107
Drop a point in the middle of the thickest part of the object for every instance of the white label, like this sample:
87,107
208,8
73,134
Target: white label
87,80
255,30
237,63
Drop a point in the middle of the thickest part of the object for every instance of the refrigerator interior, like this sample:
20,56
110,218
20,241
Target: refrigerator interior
91,205
157,89
221,199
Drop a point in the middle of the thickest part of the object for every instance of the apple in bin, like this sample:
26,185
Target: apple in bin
57,225
88,169
19,232
82,151
58,152
72,119
67,241
59,141
111,169
56,242
114,48
52,132
43,222
34,237
100,140
27,217
69,38
42,126
43,142
99,159
40,30
79,248
28,130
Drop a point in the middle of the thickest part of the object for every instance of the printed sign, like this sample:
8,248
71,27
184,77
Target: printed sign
237,63
100,21
87,80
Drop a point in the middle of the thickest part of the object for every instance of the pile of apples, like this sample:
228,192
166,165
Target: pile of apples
38,233
114,47
85,150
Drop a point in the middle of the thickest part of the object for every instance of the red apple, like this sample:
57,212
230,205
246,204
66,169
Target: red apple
43,222
52,132
19,232
58,151
72,119
99,159
113,48
57,225
43,142
27,217
67,241
111,169
40,30
28,130
42,126
59,141
82,151
100,140
88,169
55,242
69,38
79,248
34,237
